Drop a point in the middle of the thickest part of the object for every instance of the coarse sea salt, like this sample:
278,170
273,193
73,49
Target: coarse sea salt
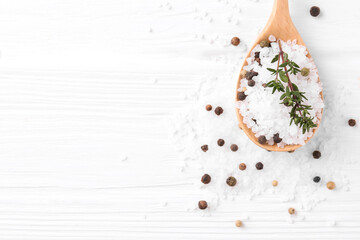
263,106
193,127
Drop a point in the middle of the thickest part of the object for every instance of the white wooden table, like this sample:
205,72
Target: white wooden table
85,88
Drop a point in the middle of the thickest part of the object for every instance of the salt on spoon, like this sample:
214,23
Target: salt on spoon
281,26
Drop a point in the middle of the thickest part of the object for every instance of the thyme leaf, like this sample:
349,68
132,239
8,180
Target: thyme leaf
291,97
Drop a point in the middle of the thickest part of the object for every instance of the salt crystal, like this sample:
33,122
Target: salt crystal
272,38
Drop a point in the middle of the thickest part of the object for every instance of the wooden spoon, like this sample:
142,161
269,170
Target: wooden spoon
281,26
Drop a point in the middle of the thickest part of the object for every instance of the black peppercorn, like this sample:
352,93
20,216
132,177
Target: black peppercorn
276,138
221,142
251,83
249,75
241,96
352,122
262,139
203,204
259,166
205,179
316,154
257,57
234,147
317,179
218,111
314,11
235,41
205,147
231,181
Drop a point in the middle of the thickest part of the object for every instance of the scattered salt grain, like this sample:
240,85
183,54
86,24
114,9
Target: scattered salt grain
294,171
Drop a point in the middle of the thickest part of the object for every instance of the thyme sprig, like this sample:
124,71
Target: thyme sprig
291,96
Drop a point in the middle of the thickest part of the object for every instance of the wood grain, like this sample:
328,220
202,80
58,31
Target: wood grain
85,94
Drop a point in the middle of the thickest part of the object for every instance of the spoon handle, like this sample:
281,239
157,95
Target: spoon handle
281,9
280,24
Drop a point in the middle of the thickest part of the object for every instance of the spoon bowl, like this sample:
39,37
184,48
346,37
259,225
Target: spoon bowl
281,26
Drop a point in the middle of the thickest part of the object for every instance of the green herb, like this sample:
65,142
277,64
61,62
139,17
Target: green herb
291,96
